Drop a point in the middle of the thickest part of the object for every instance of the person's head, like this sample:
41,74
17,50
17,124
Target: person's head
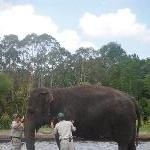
16,117
60,116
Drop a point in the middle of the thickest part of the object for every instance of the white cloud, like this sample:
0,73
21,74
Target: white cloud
145,37
68,39
87,44
4,5
123,23
22,20
72,41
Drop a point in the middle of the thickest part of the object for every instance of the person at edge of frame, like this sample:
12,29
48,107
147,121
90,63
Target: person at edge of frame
17,129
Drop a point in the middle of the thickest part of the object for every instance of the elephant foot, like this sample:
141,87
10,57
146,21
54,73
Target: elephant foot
122,146
132,146
127,146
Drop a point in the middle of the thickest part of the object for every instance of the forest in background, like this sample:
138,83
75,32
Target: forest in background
40,61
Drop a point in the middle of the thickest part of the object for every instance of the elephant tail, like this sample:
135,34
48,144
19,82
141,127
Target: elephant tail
139,123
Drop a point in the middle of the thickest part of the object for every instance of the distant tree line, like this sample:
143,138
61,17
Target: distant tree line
40,61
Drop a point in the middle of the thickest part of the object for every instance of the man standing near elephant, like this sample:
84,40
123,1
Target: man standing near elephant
63,133
16,132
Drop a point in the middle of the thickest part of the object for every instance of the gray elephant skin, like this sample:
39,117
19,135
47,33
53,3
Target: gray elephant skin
99,113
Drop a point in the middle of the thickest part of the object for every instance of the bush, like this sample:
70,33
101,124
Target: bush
145,106
5,121
6,83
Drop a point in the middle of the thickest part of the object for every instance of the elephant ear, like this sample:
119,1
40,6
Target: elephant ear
44,100
48,102
51,98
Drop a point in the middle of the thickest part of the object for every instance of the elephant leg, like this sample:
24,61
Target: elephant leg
132,146
122,146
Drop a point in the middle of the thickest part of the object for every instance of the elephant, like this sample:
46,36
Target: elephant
99,113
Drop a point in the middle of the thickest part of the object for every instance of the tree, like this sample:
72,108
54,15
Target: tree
61,72
81,60
9,54
5,88
145,105
38,49
5,84
126,76
147,85
111,54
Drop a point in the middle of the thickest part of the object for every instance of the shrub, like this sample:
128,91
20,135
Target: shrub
5,121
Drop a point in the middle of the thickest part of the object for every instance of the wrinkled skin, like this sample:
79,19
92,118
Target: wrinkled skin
99,113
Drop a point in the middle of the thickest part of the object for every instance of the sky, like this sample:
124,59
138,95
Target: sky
81,23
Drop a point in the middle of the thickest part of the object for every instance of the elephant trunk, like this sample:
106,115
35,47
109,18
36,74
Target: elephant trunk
29,132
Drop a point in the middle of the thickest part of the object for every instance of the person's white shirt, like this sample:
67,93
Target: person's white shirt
16,129
64,129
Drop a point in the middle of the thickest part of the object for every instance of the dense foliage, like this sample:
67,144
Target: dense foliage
39,60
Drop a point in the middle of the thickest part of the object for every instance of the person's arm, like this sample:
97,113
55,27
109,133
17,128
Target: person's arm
57,140
73,128
22,119
57,137
16,124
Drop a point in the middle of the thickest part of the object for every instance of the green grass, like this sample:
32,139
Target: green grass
5,132
45,130
145,128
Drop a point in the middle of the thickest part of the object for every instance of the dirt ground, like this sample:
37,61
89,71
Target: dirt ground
5,135
46,136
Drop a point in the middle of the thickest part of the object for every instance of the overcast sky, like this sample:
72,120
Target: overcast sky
76,23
